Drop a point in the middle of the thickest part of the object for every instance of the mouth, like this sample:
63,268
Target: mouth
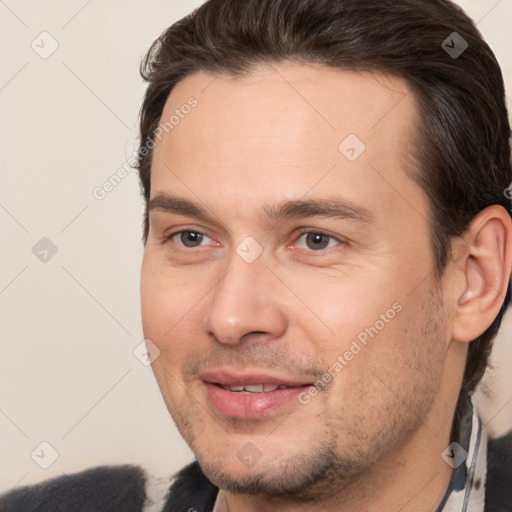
254,388
250,396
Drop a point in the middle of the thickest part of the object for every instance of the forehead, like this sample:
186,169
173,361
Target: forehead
281,129
329,100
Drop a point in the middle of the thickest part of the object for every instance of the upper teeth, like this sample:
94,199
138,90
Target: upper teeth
254,388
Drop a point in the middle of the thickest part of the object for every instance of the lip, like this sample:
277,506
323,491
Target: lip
249,405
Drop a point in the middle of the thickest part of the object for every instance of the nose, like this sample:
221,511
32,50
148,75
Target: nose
245,304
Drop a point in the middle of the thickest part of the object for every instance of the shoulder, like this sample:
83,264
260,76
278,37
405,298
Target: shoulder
191,491
498,493
115,488
109,488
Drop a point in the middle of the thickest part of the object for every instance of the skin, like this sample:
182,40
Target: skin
252,143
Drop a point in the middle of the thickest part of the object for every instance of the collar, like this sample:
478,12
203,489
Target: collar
467,455
220,503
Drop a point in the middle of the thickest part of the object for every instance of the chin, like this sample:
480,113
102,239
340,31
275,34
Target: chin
300,476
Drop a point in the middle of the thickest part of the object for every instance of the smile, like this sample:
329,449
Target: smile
254,388
250,395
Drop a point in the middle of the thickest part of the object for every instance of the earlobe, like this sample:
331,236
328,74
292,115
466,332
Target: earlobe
486,273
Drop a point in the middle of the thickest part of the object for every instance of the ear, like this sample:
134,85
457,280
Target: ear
483,271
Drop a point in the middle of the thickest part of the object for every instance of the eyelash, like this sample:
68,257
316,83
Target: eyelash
168,238
301,233
320,233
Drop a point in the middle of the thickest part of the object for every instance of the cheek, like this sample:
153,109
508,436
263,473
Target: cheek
367,331
172,310
349,307
165,298
156,303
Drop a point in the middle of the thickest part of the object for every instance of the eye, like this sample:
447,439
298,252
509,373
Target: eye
316,241
189,238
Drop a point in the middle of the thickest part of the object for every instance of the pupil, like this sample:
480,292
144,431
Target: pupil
191,239
317,241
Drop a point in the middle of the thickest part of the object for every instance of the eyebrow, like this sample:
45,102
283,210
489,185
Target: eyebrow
171,204
332,207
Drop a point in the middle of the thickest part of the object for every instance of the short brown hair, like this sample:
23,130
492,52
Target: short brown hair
463,159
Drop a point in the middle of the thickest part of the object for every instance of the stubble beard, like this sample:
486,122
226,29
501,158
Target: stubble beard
340,454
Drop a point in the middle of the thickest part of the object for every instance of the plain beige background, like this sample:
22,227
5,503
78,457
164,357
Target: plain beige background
70,321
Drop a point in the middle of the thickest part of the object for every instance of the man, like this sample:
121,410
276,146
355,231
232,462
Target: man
327,259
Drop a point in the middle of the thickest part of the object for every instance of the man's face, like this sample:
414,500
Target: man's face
281,253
